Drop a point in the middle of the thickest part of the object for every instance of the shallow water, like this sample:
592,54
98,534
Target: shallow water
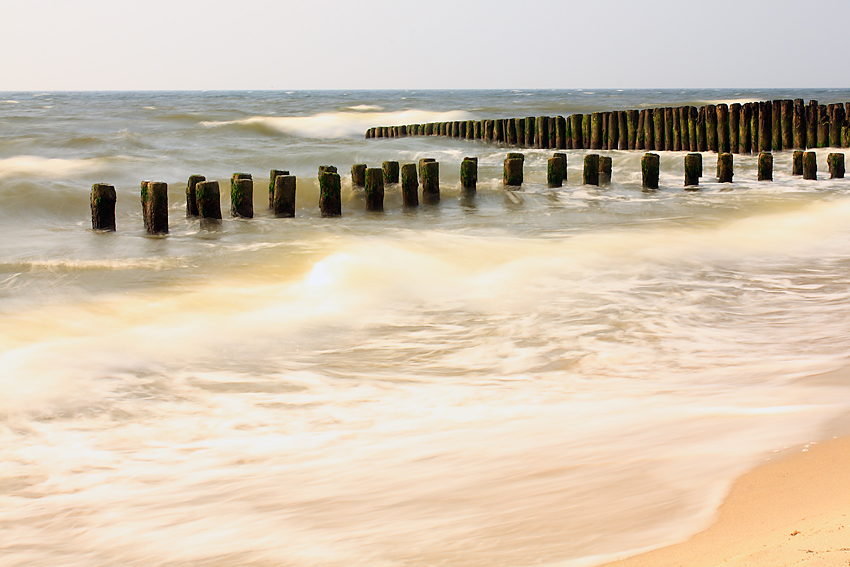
535,377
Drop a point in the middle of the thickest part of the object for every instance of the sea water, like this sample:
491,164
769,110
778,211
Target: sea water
542,376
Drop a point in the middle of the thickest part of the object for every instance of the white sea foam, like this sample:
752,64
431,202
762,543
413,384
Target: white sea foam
38,166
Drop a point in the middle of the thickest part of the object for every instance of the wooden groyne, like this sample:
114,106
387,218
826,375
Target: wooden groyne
737,128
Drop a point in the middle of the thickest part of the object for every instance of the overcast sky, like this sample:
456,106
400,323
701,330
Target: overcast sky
385,44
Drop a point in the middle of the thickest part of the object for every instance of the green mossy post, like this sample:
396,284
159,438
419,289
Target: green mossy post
469,175
677,130
845,136
606,165
530,131
776,125
596,131
374,191
454,129
477,130
402,131
191,198
591,169
103,199
724,168
553,141
836,122
585,130
669,126
470,130
614,130
649,167
330,194
632,119
358,175
765,126
422,163
711,127
390,171
283,202
512,176
489,127
693,130
542,132
431,182
812,124
553,172
797,163
272,176
649,130
810,165
823,128
702,141
242,196
576,131
560,133
569,134
800,127
623,130
754,127
724,143
659,123
787,120
684,135
510,132
693,164
744,139
519,126
765,166
208,196
605,118
836,165
499,131
699,164
154,196
735,127
322,169
429,130
640,134
409,185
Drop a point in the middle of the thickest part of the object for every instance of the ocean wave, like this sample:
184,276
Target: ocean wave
366,108
346,124
49,167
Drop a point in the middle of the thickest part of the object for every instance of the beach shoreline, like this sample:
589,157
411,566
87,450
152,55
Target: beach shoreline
792,510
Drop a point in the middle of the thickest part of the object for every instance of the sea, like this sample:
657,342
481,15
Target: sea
533,376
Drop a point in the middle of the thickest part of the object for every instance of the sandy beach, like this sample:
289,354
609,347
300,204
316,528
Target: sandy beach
791,511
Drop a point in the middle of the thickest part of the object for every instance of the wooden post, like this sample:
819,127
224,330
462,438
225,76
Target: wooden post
530,131
683,124
542,131
596,131
390,172
836,122
755,121
560,133
845,136
358,175
330,194
322,169
660,128
431,182
191,197
810,165
409,185
823,127
765,126
208,196
649,130
649,167
510,134
519,126
799,126
591,169
723,138
272,175
422,163
702,140
836,165
787,119
623,127
103,199
744,138
724,168
575,131
693,163
613,130
693,130
374,191
812,119
552,132
797,163
605,119
283,201
241,196
711,127
476,130
586,129
455,131
512,176
640,135
735,128
677,129
765,166
155,206
669,142
553,172
469,174
470,130
488,130
605,167
776,124
632,127
499,131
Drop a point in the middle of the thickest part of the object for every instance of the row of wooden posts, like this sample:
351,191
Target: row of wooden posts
203,198
752,127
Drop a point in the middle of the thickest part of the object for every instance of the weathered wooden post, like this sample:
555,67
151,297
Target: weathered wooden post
591,169
799,126
724,168
469,174
693,130
556,170
836,165
242,195
724,142
787,119
330,194
283,201
668,129
693,163
374,191
272,176
605,117
640,135
765,126
390,172
711,127
431,182
530,131
823,128
499,131
632,117
765,166
596,131
429,131
191,198
649,127
586,129
776,124
734,127
755,121
208,196
155,206
677,130
702,140
744,139
623,130
512,176
488,130
103,199
470,130
542,132
477,130
845,136
810,165
660,129
614,130
510,133
409,185
812,120
605,167
684,136
358,175
575,131
553,142
836,122
797,163
649,167
560,133
422,163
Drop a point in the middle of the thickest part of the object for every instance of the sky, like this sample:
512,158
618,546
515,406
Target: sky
433,44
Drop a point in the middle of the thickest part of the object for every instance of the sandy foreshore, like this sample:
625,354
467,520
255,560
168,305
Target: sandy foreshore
793,510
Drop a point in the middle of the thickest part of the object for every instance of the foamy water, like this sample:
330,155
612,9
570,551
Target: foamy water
547,377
